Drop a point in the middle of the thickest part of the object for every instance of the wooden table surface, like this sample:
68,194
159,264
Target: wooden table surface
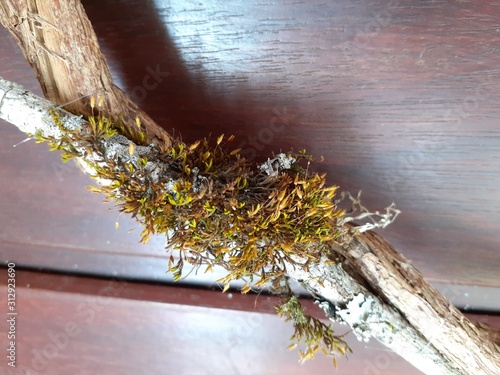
401,98
84,326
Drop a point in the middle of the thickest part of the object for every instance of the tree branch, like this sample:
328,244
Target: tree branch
59,42
397,282
373,288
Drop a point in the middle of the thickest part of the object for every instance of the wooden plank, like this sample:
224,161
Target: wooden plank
89,326
69,324
402,102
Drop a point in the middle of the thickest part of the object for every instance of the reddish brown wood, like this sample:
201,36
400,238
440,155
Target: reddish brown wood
150,328
401,99
381,119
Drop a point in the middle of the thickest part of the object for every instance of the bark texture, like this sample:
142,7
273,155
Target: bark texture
373,288
394,280
59,42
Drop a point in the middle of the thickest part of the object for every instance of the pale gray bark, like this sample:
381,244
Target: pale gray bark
27,111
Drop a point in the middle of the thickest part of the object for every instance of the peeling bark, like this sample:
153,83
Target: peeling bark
59,42
493,333
391,277
381,295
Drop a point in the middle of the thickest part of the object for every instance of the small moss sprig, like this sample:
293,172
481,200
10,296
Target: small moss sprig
315,334
74,144
216,209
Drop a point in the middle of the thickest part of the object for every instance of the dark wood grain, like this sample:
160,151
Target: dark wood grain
64,330
401,98
121,327
407,112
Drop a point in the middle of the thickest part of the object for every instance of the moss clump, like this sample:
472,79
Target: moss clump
312,332
215,208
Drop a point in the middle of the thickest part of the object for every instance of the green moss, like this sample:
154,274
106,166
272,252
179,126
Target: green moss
219,210
312,332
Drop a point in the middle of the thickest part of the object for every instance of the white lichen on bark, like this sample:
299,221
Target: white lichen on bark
369,317
272,167
30,113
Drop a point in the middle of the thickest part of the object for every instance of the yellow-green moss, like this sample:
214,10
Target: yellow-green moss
312,332
219,210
